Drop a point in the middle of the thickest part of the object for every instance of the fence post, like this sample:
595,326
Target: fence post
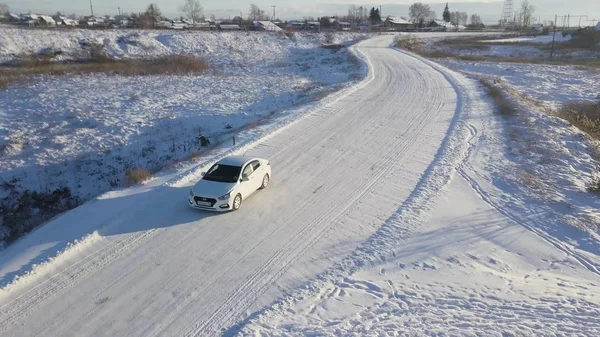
553,37
233,140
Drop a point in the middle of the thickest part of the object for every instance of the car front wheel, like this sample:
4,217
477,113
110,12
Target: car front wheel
237,202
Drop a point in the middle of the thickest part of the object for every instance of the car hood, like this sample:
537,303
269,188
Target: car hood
211,189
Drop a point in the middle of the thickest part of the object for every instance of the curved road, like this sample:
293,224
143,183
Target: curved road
158,268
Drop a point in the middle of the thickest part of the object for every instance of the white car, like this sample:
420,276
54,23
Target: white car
229,182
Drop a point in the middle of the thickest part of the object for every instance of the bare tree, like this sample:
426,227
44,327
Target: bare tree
3,9
193,10
154,12
357,14
432,16
463,18
152,15
525,17
419,12
459,18
256,13
454,18
476,20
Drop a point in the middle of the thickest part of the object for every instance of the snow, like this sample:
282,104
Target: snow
433,216
467,271
542,39
551,84
83,132
169,270
472,252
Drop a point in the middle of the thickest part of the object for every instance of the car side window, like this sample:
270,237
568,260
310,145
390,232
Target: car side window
255,165
248,170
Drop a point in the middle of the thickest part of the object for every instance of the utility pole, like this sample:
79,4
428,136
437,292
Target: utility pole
119,10
273,12
553,36
380,20
91,8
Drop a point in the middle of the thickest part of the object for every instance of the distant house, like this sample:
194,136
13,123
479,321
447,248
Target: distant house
92,21
47,21
31,20
443,26
538,27
398,24
206,25
296,24
229,27
314,25
14,18
598,27
343,25
66,22
267,26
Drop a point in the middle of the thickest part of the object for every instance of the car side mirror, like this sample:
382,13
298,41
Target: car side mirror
244,179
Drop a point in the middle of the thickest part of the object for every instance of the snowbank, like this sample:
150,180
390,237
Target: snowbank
542,39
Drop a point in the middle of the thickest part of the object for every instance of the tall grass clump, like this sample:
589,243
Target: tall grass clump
585,115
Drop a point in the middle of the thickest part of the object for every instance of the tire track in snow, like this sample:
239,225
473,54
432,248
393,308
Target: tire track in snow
399,226
280,262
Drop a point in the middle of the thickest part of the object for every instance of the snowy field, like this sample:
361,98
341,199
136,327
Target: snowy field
84,131
489,45
509,246
545,39
436,216
551,84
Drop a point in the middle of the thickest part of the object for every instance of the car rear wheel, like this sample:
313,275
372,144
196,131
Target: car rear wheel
265,182
237,202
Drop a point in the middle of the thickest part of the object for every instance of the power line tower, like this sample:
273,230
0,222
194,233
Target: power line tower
507,12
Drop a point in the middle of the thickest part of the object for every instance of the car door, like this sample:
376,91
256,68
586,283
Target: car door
259,173
248,180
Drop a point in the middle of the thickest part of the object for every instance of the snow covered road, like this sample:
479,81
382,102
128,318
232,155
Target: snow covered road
153,267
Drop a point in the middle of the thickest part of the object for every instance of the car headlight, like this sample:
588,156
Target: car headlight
191,193
225,197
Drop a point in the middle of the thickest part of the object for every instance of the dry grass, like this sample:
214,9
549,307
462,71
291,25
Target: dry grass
583,115
505,107
582,63
194,156
173,65
333,47
595,186
137,175
409,43
583,40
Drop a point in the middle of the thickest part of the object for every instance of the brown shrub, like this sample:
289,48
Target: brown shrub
505,107
137,175
194,156
333,47
174,65
583,40
583,115
409,42
595,186
328,38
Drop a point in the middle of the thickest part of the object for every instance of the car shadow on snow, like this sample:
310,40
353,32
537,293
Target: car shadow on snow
116,213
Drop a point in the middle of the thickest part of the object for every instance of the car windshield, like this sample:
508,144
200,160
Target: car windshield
223,173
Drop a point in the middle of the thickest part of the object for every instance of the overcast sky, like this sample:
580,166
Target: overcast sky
293,9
